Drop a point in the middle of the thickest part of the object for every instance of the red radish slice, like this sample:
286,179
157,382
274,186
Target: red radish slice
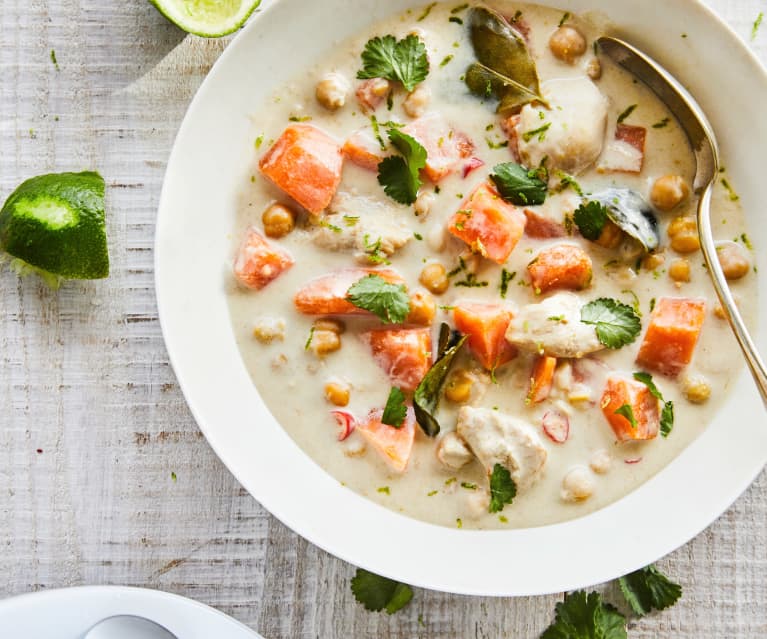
556,425
471,165
634,460
346,423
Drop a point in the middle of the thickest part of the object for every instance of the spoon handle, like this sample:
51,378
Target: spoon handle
754,360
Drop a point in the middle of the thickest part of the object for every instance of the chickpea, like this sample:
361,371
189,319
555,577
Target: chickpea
679,271
567,44
337,393
683,232
416,102
696,389
268,329
719,312
326,324
653,261
669,191
423,203
324,342
732,259
434,277
611,235
578,484
594,69
423,308
601,462
278,220
332,90
458,387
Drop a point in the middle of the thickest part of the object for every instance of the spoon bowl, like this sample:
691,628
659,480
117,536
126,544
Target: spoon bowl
704,146
128,627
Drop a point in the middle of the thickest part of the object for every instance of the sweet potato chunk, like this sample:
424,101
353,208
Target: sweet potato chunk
362,149
671,335
486,325
488,224
326,294
393,444
259,261
541,379
305,163
564,266
403,353
444,146
621,392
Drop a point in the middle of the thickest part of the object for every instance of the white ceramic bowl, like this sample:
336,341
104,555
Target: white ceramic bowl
211,159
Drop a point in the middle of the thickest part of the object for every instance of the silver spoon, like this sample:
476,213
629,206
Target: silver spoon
704,146
128,627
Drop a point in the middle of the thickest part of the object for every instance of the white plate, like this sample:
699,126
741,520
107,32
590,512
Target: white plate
70,612
211,160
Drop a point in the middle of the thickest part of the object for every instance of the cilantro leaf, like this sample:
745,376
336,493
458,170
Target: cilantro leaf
373,293
649,589
402,61
395,409
582,616
590,218
502,488
667,419
400,175
519,185
627,412
617,324
667,413
379,593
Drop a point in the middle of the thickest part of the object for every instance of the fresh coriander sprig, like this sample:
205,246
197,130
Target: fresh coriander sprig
379,593
590,218
518,185
400,175
389,302
616,324
586,616
402,61
502,488
649,589
395,409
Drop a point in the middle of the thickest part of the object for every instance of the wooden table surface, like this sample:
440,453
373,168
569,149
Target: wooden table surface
93,427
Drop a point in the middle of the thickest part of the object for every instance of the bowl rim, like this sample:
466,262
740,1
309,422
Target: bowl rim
358,540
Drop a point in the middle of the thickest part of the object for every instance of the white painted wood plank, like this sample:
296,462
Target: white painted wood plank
92,423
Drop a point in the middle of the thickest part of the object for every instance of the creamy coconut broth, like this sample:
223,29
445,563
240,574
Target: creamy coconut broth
559,473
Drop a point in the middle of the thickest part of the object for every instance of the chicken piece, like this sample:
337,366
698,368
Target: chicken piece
452,452
553,327
497,438
368,225
571,133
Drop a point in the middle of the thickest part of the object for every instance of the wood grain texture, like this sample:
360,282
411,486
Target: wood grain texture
92,423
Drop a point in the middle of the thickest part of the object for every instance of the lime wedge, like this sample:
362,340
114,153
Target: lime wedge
207,18
53,225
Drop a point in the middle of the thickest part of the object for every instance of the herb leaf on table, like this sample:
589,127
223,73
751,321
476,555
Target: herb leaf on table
649,589
379,593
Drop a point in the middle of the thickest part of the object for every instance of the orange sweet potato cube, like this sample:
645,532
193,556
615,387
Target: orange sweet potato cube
259,261
306,163
488,224
541,379
394,445
486,325
362,149
326,294
403,353
672,334
564,266
620,392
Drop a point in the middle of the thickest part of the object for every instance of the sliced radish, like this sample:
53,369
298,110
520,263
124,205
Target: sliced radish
472,164
556,425
634,460
346,423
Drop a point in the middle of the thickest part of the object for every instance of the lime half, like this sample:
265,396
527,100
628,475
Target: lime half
207,18
53,225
